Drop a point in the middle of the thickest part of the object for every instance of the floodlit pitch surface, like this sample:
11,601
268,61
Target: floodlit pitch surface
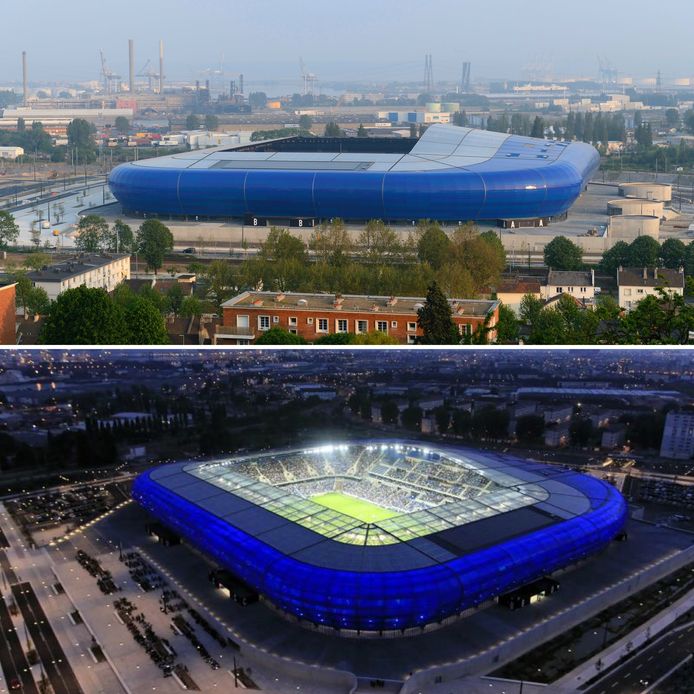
363,511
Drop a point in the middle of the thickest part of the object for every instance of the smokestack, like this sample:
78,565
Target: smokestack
25,79
131,65
241,84
161,67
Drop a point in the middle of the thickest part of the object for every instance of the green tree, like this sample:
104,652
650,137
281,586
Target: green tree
278,336
192,122
154,240
191,307
93,234
673,253
507,328
37,260
332,129
174,299
530,428
563,254
257,100
332,243
361,131
211,122
442,415
433,245
220,281
9,230
530,308
80,136
538,128
121,238
390,412
84,316
305,122
481,254
281,245
614,258
672,117
374,337
663,319
643,134
644,251
581,431
145,324
380,243
435,319
412,418
122,125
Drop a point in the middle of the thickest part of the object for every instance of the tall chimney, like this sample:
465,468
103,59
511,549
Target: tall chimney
131,66
25,78
161,67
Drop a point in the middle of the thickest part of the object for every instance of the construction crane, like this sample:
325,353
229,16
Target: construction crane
150,74
110,79
308,78
608,72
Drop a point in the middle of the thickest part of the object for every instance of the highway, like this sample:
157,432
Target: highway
55,663
14,663
648,665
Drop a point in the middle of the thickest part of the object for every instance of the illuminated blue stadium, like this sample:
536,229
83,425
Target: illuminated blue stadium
450,174
469,527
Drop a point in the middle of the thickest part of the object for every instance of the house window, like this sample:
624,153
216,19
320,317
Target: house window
292,321
341,325
309,321
382,326
362,326
560,290
293,331
263,322
412,327
275,319
464,329
570,289
411,339
322,325
393,324
639,291
627,292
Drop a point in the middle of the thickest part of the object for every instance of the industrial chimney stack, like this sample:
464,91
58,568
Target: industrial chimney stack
25,79
131,65
161,67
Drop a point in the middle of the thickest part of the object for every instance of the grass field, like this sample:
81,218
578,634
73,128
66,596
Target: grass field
364,511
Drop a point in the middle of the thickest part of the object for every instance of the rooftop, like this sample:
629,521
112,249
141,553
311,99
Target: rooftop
650,277
73,267
393,305
570,278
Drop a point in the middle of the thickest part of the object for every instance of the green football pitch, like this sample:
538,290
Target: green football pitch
364,511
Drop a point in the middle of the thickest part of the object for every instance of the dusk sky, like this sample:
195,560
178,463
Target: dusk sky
372,40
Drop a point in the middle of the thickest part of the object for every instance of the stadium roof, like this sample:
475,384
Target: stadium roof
524,496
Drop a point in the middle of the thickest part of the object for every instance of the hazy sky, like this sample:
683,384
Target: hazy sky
358,39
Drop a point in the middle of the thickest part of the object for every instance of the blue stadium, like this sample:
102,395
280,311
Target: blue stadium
450,174
383,536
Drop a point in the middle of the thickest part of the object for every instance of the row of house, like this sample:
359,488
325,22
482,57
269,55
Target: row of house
633,285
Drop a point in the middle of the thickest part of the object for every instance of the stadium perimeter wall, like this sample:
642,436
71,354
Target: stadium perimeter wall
495,657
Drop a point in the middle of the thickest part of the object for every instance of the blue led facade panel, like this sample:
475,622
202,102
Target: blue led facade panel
450,174
396,586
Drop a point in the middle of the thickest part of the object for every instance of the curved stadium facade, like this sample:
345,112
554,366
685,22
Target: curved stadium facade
451,174
383,536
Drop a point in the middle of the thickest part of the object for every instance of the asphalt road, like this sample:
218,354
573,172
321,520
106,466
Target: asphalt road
55,664
648,665
10,575
12,659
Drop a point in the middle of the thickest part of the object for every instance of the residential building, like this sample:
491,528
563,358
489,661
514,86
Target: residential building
11,152
577,284
613,437
313,316
555,437
558,414
635,284
678,436
511,292
103,271
8,313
